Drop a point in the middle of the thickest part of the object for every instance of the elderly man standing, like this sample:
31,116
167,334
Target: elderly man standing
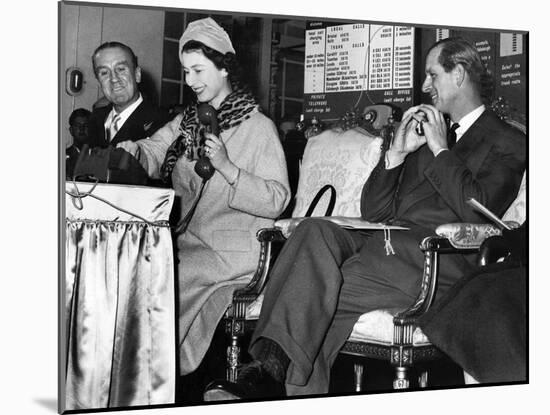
129,116
326,277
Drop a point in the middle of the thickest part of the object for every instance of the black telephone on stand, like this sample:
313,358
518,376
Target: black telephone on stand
109,165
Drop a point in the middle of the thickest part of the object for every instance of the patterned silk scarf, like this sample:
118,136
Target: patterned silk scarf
237,107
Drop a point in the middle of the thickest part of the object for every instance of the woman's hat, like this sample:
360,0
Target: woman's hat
209,33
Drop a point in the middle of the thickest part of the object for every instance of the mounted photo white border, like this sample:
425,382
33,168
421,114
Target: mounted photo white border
29,244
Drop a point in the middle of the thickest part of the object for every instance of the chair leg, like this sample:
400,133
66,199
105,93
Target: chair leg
358,372
401,381
423,379
233,356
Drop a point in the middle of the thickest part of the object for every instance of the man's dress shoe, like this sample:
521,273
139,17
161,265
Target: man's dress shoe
253,382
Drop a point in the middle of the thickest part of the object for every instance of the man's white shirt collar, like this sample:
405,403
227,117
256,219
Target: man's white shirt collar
467,121
124,115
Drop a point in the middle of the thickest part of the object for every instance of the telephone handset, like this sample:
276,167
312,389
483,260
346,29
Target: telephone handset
203,166
208,117
419,128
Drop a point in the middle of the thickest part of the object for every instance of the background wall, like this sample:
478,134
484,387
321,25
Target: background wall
251,38
504,54
271,51
84,28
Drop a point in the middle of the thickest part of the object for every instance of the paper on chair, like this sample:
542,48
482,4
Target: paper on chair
488,214
358,223
287,226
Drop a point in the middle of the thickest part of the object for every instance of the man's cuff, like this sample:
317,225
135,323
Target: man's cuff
440,151
394,159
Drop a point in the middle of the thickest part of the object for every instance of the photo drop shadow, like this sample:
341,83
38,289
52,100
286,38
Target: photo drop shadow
48,403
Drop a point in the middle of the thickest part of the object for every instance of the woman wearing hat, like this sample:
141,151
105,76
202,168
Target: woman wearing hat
249,189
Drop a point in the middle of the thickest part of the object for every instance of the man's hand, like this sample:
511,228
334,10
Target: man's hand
435,129
130,146
406,139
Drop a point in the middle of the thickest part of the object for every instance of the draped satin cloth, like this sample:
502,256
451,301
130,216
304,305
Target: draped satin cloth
119,298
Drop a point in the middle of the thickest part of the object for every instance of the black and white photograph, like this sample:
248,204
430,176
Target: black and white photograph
283,208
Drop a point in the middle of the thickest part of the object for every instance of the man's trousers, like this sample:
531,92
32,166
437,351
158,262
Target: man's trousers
317,290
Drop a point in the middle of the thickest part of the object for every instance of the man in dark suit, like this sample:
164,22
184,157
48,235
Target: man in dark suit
129,116
326,276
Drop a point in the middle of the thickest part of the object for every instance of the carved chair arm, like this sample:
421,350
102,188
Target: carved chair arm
454,238
267,237
431,246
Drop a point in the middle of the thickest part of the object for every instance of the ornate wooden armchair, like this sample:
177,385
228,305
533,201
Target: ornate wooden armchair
395,336
342,157
390,335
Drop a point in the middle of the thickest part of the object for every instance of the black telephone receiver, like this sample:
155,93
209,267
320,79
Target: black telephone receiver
419,128
208,117
203,166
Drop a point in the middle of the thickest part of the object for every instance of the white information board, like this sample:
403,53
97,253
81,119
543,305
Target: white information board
356,57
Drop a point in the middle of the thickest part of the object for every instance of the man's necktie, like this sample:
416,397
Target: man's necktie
451,135
113,128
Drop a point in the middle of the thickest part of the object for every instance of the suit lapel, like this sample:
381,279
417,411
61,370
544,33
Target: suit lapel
415,178
466,149
469,143
128,129
102,114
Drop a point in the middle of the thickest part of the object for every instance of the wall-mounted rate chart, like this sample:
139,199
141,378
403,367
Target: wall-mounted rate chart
356,65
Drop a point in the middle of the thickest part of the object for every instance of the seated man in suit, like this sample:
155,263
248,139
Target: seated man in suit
129,116
326,277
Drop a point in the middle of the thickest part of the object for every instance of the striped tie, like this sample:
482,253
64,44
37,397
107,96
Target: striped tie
113,128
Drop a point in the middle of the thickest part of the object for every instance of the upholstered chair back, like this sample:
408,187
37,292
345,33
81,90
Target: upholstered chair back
343,159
